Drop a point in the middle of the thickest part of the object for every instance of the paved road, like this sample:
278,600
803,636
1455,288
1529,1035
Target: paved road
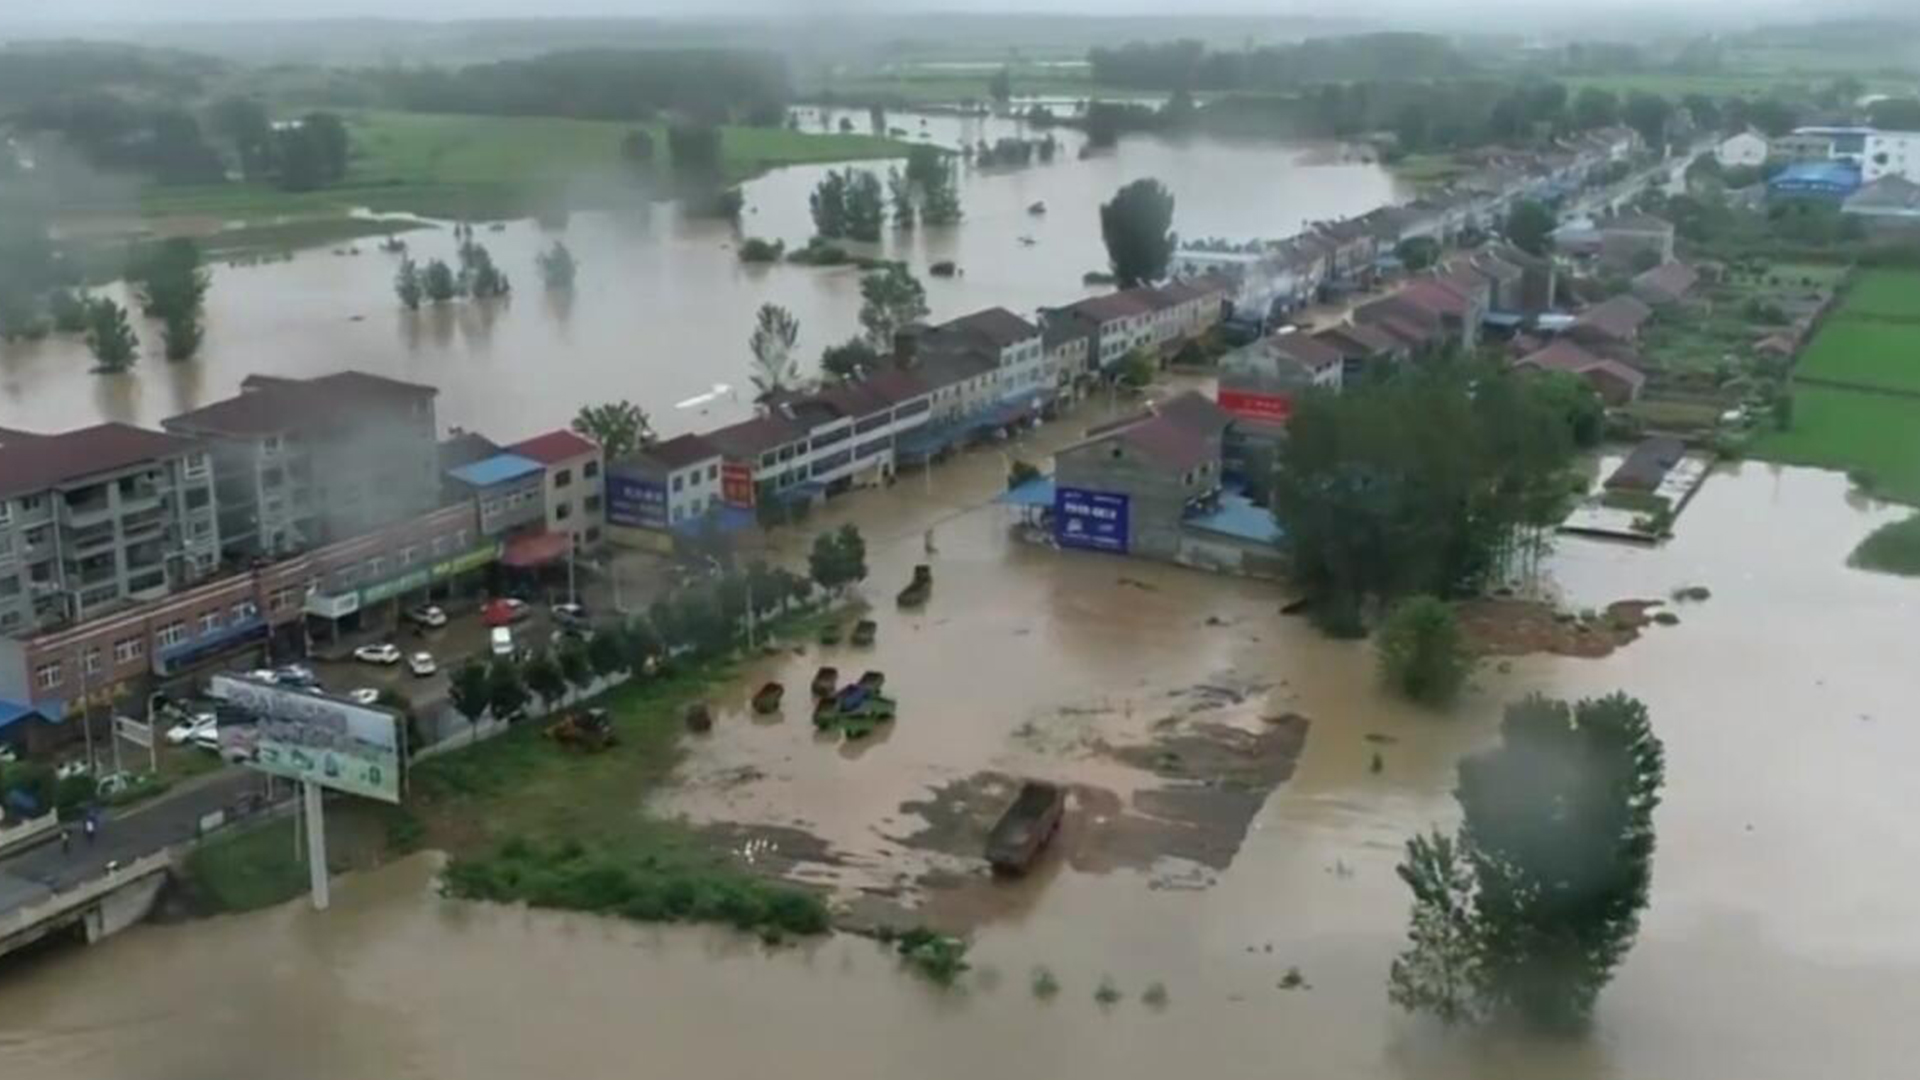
174,818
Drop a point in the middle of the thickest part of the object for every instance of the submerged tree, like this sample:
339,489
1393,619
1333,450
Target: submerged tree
1537,901
775,333
849,360
558,266
110,337
890,299
1138,229
900,194
407,284
1424,657
438,281
866,207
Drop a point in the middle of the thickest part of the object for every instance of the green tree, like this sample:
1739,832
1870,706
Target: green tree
607,653
1138,229
110,337
1424,656
890,298
544,678
558,266
1418,253
775,332
620,427
1000,86
1557,828
1595,108
407,285
900,196
576,665
850,359
838,559
479,277
506,692
940,194
329,138
244,122
1137,369
438,281
1530,226
180,334
471,691
866,207
1649,115
829,206
169,278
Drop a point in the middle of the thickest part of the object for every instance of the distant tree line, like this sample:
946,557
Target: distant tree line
1190,65
171,145
714,85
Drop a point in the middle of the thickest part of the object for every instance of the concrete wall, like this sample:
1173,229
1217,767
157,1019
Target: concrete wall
1157,495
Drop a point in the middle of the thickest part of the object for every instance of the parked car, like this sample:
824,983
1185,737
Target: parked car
296,675
421,664
113,784
365,695
384,653
502,639
427,615
190,726
76,767
505,610
572,616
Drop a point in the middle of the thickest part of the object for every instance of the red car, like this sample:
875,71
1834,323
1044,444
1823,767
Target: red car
503,611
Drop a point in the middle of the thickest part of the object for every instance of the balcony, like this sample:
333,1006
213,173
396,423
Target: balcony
80,513
91,539
145,525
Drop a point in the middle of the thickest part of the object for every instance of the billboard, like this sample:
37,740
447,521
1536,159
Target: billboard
305,736
1253,405
636,502
1090,520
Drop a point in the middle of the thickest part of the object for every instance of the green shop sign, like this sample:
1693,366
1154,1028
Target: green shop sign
471,560
392,587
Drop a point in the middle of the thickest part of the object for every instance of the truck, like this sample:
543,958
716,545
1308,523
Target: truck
1024,831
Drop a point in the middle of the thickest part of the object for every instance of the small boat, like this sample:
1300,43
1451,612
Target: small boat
945,268
699,717
767,699
1037,208
1028,241
824,682
865,631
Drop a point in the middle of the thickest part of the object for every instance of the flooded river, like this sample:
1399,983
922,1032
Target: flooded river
1780,942
663,308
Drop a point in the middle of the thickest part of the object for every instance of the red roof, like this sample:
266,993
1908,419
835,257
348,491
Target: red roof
1564,355
1437,298
536,550
555,447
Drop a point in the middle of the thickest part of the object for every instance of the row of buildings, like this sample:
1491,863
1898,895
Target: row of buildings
1331,258
270,522
301,511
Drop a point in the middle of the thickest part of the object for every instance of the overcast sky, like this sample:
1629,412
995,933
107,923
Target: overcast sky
68,11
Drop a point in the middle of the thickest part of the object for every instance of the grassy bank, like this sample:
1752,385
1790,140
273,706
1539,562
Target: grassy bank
248,870
442,165
1428,168
1891,549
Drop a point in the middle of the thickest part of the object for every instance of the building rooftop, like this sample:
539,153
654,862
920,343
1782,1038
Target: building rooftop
1566,356
30,462
751,438
269,404
1642,223
555,446
1360,338
465,448
1620,317
497,469
1670,280
681,451
1109,308
996,325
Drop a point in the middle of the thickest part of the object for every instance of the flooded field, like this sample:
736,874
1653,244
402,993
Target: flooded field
663,307
1779,944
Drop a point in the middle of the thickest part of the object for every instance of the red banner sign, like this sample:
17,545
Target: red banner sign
736,483
1250,405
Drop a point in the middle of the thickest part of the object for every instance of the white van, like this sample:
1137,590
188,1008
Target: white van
502,641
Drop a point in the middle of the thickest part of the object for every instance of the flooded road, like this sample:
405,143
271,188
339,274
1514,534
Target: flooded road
663,308
1780,942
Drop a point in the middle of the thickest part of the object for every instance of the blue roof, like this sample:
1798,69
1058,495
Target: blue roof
497,469
11,711
1816,174
1037,492
1236,516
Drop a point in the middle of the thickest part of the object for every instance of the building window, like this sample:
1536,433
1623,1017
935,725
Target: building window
590,470
563,478
408,554
209,621
563,511
679,482
244,610
90,661
127,650
593,535
713,473
591,504
47,676
375,567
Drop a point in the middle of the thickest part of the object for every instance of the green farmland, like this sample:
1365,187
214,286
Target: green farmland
1873,432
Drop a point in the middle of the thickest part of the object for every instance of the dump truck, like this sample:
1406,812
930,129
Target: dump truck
1023,832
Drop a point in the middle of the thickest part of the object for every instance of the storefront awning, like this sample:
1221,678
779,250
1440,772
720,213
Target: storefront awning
526,552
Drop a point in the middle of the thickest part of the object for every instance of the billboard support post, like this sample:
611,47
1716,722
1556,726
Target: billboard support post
316,844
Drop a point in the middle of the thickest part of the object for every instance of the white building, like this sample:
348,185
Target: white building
1749,148
1874,152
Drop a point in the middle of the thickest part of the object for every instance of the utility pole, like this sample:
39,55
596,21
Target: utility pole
316,844
86,713
573,545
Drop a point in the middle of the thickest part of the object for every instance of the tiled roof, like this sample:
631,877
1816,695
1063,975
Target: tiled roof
555,446
681,451
268,404
1671,280
996,325
750,438
1636,223
30,462
1619,318
1111,307
1360,339
465,448
1564,355
1315,355
1435,297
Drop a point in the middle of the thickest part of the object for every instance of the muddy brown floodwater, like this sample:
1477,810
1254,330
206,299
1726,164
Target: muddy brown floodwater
1781,941
663,307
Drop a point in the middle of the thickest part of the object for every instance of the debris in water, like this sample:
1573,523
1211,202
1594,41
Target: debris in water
1293,980
1694,593
1379,764
1155,995
1107,994
1380,738
1136,583
1045,986
1215,620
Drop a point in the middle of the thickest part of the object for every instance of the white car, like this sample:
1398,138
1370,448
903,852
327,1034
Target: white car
186,729
365,695
502,640
71,768
429,616
421,664
384,653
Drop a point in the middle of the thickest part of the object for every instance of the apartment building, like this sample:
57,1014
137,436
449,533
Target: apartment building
302,462
575,495
93,519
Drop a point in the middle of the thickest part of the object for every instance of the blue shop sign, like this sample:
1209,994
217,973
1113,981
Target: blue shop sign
1090,520
636,502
